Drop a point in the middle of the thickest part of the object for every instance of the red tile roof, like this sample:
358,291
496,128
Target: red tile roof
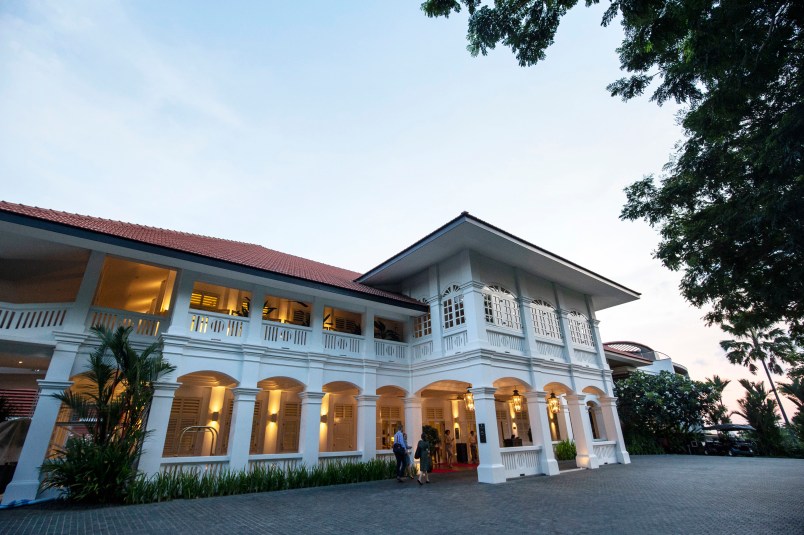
239,253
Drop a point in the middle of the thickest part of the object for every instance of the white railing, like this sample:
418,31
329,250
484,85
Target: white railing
342,457
506,341
385,455
521,461
202,465
394,351
344,344
584,358
455,342
214,326
283,461
422,350
604,451
284,335
141,324
550,351
29,317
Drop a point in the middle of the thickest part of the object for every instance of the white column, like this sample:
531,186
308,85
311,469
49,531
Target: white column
158,418
368,335
413,418
310,426
180,313
581,431
611,423
526,317
317,326
254,335
77,315
540,429
475,316
490,469
566,334
25,484
367,425
240,433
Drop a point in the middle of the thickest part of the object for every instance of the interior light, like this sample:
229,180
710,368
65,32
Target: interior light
553,403
516,401
469,400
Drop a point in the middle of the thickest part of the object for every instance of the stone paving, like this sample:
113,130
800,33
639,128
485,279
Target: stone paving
653,495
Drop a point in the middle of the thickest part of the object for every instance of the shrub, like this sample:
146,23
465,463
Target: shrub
565,450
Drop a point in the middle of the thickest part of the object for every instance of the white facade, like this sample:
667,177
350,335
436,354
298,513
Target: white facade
308,380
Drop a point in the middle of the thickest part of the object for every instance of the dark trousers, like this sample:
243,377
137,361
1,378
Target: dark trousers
401,463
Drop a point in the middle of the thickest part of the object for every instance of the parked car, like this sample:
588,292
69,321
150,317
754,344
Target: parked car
728,439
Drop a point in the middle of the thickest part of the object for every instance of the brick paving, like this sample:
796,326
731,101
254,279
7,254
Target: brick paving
653,495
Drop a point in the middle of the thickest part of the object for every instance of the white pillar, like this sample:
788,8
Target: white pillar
581,431
180,314
611,423
77,316
413,418
254,335
540,429
240,432
158,418
367,425
310,426
475,316
25,484
368,352
490,469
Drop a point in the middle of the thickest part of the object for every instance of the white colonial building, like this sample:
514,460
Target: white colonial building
281,360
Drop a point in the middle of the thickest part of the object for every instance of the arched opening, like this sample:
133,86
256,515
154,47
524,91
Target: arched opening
390,413
200,416
447,405
277,416
339,417
513,420
557,414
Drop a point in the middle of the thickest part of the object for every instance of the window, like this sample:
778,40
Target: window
545,319
453,307
385,329
422,326
342,321
220,299
580,331
501,307
284,310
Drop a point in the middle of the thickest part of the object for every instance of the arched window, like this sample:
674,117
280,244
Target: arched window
421,324
579,329
545,319
501,307
452,303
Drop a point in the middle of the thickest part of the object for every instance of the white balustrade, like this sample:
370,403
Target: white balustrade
386,455
506,341
141,324
393,351
342,344
339,457
282,461
201,465
422,350
28,318
549,351
584,358
214,326
604,450
284,335
521,461
455,342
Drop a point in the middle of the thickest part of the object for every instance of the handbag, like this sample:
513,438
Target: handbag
398,448
418,452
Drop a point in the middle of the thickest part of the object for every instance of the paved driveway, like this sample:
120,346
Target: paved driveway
654,494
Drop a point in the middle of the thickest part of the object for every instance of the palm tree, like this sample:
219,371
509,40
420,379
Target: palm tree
760,413
794,391
718,414
770,347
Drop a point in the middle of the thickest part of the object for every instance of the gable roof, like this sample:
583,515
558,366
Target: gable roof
235,253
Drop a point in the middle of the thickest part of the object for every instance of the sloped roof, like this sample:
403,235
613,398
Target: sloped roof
238,253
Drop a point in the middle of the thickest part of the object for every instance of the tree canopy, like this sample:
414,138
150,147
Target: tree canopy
729,203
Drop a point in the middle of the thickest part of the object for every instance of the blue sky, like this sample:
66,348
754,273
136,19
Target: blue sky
340,132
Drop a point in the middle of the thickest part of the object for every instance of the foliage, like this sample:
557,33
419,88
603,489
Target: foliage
730,202
760,413
113,405
192,484
718,413
565,450
383,332
641,444
431,436
794,391
769,347
666,408
6,409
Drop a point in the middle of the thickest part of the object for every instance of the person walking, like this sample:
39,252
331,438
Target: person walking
449,445
400,451
425,463
410,468
473,447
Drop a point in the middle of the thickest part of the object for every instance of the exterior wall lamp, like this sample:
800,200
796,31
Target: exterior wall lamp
469,401
324,418
516,401
553,403
215,416
273,417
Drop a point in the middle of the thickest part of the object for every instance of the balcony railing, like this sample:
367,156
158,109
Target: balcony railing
215,326
32,318
285,335
343,344
394,351
141,324
521,461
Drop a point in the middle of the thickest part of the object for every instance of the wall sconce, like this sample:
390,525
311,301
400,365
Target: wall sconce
324,418
469,401
516,401
553,403
273,417
215,416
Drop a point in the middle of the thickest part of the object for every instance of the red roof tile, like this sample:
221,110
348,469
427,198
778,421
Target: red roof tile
239,253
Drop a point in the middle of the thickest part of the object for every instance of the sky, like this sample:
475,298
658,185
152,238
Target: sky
342,132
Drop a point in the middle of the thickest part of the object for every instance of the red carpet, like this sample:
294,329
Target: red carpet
456,467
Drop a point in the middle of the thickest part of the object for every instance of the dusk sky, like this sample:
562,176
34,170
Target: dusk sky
341,132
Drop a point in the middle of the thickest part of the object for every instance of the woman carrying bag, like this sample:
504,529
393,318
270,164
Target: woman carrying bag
425,465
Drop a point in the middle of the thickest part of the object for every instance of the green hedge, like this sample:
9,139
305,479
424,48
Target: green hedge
191,484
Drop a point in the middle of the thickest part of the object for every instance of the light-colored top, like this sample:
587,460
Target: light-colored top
399,438
448,442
